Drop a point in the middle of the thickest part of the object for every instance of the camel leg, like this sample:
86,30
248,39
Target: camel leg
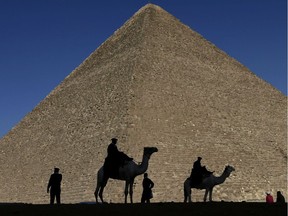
189,195
96,193
185,196
187,191
210,194
101,194
126,190
131,190
101,187
206,193
98,186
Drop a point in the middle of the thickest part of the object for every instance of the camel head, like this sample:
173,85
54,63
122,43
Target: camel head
229,169
148,151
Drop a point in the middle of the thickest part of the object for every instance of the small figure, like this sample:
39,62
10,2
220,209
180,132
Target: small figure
280,198
55,185
147,194
114,160
197,164
269,198
198,172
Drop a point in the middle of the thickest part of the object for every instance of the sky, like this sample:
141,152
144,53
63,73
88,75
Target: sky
43,41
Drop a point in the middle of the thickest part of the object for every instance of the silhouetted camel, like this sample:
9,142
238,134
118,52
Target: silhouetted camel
127,173
208,184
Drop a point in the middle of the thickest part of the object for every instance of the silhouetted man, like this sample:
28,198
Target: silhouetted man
280,198
114,160
197,165
55,186
147,184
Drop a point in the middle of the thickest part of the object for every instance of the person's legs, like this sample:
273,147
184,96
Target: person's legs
58,197
52,197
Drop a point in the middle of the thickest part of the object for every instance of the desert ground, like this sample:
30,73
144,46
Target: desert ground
137,209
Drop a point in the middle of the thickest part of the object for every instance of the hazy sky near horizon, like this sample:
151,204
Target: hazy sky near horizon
43,41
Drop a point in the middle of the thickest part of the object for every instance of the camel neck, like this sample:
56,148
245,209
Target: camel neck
222,178
144,164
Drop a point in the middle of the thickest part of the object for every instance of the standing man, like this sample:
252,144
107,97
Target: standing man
147,189
54,186
280,198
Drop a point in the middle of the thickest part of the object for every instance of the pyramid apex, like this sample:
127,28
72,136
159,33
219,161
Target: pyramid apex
150,6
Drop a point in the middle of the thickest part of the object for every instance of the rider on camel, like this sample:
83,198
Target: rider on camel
198,172
115,159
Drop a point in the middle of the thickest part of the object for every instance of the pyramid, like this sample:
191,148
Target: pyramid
154,82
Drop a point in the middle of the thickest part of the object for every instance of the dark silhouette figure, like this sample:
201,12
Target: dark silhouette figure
147,194
269,198
198,172
114,160
280,198
54,186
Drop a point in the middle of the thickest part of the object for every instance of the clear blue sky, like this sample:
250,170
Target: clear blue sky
42,41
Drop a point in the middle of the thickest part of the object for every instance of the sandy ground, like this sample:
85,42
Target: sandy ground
167,209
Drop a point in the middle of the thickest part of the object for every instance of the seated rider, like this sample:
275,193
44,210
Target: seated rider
198,172
115,159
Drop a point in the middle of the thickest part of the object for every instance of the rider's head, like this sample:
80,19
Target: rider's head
114,140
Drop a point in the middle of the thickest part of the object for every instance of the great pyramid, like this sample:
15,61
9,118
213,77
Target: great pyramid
154,82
